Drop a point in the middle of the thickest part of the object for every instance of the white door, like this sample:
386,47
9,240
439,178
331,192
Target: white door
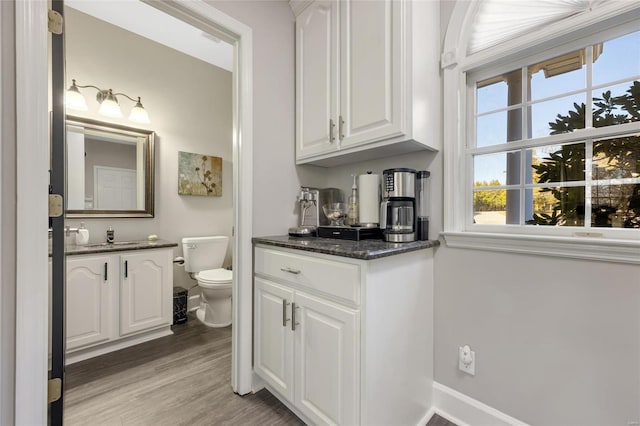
115,189
371,73
273,348
89,293
327,366
145,291
317,79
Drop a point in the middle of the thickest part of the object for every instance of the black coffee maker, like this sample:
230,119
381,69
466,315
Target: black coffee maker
398,218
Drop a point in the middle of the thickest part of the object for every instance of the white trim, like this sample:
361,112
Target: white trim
104,348
32,161
464,410
586,248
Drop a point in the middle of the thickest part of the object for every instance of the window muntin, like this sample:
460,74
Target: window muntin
587,180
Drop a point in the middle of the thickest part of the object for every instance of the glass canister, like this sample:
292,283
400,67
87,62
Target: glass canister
422,204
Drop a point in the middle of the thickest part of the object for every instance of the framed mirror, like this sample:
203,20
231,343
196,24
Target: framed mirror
110,170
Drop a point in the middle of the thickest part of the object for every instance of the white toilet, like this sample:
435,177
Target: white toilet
203,257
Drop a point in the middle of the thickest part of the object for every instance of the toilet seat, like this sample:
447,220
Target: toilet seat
213,278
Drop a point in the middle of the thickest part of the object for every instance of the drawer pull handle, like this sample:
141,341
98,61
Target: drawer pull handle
126,269
293,316
105,271
284,312
291,271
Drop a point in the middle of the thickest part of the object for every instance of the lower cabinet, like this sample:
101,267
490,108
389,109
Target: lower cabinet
90,300
143,292
308,351
115,298
344,341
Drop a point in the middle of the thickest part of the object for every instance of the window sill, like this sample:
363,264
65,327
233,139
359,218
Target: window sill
600,249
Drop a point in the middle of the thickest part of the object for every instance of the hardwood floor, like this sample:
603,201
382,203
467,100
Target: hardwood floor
436,420
182,379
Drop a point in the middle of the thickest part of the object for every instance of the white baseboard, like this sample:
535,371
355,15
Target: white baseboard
466,411
78,355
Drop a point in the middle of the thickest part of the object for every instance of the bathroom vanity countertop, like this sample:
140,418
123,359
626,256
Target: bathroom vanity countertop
364,249
93,248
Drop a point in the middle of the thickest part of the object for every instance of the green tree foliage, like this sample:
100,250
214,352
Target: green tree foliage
617,158
489,200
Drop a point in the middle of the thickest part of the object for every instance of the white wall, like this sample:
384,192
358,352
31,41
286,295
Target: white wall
189,104
557,341
276,180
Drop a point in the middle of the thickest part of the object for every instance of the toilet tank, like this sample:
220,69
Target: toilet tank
202,253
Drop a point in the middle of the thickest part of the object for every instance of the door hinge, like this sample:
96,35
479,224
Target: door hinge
54,22
56,205
54,391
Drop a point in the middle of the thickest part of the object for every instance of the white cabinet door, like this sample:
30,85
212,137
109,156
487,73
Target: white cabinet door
273,350
145,291
372,74
317,79
89,300
327,366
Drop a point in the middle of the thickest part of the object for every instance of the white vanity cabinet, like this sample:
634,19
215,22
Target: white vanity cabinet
145,291
117,299
367,79
345,341
90,304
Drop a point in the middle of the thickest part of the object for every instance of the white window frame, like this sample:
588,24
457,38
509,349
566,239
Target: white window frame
612,19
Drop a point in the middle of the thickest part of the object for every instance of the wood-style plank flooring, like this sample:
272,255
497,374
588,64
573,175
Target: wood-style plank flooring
182,379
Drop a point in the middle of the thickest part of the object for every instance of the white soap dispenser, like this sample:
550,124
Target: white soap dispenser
82,237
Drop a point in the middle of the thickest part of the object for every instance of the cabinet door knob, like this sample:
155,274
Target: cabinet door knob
293,316
291,271
284,312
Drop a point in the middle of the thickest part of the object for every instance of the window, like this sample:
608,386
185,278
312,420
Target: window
553,140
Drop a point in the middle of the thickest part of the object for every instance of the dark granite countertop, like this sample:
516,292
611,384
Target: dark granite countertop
93,248
364,249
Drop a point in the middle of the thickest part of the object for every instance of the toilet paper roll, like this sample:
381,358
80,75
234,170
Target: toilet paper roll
369,188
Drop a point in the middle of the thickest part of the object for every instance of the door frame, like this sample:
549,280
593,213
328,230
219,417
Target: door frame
32,135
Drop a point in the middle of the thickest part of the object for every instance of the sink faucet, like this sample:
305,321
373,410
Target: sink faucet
69,230
110,235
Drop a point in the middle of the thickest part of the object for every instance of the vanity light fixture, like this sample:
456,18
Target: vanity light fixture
108,101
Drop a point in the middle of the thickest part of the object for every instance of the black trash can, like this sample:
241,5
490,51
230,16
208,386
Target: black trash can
179,305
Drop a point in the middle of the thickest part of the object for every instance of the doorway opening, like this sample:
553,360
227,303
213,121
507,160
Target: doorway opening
31,346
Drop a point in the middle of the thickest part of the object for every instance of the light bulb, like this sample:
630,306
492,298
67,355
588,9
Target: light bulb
139,114
74,98
109,107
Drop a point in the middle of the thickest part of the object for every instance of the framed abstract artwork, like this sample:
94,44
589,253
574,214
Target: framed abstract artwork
199,174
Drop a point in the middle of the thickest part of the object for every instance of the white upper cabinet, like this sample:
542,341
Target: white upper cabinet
371,68
370,106
317,79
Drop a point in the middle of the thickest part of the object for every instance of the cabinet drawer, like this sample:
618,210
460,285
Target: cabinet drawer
331,277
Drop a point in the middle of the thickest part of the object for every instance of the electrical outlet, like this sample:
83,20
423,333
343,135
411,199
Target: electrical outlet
467,360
